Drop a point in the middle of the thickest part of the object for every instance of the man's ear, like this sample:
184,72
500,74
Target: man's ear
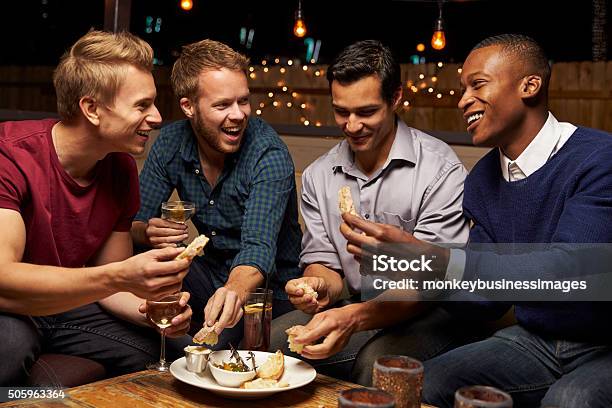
531,86
89,108
187,107
397,97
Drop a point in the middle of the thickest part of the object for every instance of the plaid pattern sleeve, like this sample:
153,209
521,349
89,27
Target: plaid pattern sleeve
155,183
272,183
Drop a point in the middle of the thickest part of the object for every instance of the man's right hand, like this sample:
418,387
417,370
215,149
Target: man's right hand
304,302
152,274
163,233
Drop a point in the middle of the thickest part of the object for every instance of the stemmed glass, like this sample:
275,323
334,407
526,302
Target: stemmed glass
177,211
161,312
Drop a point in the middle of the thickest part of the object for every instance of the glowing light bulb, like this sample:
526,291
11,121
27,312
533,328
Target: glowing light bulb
420,47
186,5
299,29
438,40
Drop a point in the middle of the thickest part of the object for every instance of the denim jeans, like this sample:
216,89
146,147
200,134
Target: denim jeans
422,337
534,370
201,282
88,331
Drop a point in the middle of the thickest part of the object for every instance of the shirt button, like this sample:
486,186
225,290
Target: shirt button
213,233
197,171
211,202
367,216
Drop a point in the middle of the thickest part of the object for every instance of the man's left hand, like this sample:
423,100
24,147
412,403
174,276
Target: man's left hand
180,323
225,306
336,325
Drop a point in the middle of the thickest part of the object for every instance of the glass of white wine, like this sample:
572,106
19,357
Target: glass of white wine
161,312
177,211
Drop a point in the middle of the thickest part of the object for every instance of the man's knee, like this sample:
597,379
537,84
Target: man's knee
592,393
20,348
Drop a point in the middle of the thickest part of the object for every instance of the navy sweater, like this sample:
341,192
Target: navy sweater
568,200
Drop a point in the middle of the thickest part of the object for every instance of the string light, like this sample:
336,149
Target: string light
283,70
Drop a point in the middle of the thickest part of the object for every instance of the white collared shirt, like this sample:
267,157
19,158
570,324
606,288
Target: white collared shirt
548,141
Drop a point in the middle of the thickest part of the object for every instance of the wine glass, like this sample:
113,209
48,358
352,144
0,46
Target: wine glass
161,312
177,211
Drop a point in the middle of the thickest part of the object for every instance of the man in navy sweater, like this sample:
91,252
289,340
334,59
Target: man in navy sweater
546,182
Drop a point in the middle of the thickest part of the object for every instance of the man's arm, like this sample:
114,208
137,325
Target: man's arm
42,290
440,218
128,306
273,181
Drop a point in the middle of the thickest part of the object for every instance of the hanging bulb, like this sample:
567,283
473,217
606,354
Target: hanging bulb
299,29
186,5
438,40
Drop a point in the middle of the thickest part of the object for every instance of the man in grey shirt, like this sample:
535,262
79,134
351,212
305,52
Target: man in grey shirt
397,175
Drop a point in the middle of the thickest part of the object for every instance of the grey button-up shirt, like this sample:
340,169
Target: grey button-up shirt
419,189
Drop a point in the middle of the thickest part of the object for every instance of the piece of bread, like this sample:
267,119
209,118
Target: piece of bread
260,383
273,368
308,290
195,248
207,335
345,201
292,333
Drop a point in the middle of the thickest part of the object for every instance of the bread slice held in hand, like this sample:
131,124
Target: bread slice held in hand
308,290
273,368
292,333
345,201
195,248
207,335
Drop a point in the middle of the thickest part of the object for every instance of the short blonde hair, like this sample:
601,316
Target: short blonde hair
200,56
95,66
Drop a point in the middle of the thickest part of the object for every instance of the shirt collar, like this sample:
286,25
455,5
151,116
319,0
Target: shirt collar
189,148
402,149
537,152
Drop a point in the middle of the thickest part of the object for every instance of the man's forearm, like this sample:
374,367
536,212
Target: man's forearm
331,277
244,279
38,290
378,315
138,232
124,305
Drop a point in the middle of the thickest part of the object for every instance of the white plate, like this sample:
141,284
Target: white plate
297,374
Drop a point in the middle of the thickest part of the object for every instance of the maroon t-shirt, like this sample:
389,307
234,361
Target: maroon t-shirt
66,224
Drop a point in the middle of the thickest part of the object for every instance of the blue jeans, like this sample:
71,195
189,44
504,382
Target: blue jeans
87,331
423,337
535,371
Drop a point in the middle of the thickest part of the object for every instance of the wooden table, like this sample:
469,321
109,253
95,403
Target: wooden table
153,389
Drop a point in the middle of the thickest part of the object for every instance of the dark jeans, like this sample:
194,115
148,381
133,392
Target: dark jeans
427,335
202,282
88,331
535,371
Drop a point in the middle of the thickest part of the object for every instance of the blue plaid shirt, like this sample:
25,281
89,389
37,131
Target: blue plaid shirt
250,215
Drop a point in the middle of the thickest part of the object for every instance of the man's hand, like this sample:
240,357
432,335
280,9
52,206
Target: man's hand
375,234
336,325
305,302
225,306
163,233
180,323
152,274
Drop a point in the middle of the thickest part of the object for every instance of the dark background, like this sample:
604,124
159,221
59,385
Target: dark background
36,32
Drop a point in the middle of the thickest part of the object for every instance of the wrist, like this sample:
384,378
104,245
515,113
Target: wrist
355,314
